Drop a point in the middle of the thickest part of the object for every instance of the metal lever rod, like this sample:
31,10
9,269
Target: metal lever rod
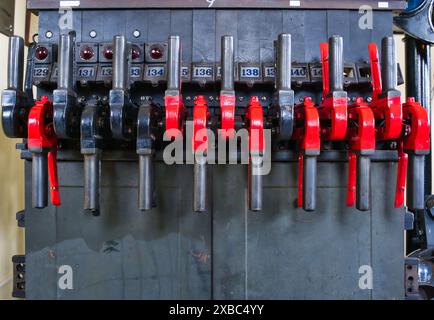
284,62
336,59
120,63
228,83
65,78
39,180
363,182
146,193
255,183
92,164
309,182
389,65
15,63
174,64
416,182
200,184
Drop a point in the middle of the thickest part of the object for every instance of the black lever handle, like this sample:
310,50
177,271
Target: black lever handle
200,184
336,72
416,182
64,97
40,179
309,182
363,186
255,183
14,103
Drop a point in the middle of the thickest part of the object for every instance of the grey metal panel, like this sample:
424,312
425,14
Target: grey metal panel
338,23
178,22
271,25
382,22
387,234
158,31
48,21
226,24
315,32
204,36
140,24
359,39
114,24
124,253
94,22
249,30
41,271
294,22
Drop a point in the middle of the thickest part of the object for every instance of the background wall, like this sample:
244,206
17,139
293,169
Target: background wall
11,178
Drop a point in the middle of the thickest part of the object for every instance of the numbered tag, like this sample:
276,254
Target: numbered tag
87,73
185,74
105,73
205,72
269,72
299,72
315,72
41,73
249,73
136,73
155,73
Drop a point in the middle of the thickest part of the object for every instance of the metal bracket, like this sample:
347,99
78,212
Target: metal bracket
19,276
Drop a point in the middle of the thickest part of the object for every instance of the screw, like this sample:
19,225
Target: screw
241,99
211,98
136,33
93,34
369,99
187,98
48,34
264,98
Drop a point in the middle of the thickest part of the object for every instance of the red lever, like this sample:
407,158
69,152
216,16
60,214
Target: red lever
333,109
361,137
200,123
255,116
255,124
308,135
175,111
227,109
414,142
387,108
42,138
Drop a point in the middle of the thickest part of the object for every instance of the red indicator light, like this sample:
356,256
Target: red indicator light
156,52
136,52
86,53
41,53
108,53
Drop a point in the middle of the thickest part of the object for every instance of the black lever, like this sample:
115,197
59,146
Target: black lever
123,113
66,110
15,103
94,129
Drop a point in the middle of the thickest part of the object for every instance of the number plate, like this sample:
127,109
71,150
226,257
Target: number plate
299,72
41,74
136,73
86,73
105,73
155,73
185,74
269,73
203,72
250,72
315,72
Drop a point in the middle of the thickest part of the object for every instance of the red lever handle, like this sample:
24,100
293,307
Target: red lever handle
227,109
